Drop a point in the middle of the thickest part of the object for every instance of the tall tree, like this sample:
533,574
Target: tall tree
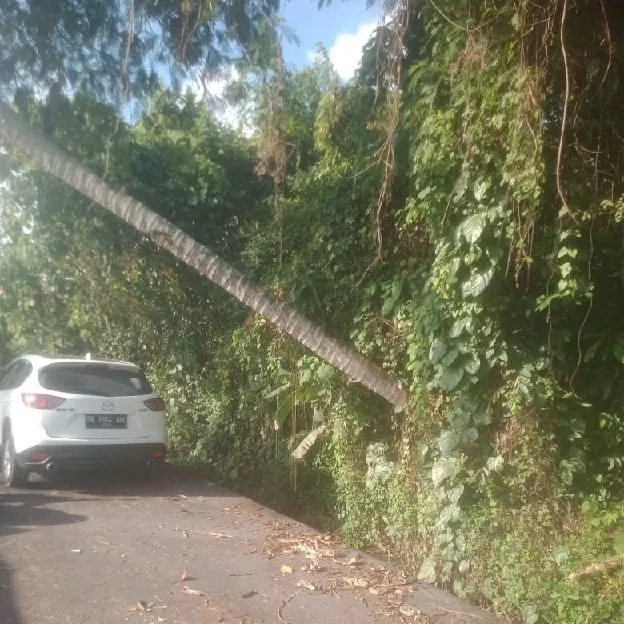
186,249
115,46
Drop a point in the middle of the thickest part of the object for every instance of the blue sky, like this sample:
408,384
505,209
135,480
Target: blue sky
342,27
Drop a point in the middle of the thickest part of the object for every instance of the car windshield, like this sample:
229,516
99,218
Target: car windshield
95,379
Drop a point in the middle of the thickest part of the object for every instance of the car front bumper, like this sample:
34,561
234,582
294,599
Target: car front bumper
53,457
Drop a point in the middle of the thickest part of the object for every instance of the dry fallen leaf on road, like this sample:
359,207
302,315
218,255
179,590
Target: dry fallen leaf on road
249,594
141,605
77,550
186,533
286,569
306,584
352,562
356,582
378,591
408,611
185,576
219,535
192,592
395,602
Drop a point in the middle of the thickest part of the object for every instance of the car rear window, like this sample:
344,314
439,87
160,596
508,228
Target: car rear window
94,379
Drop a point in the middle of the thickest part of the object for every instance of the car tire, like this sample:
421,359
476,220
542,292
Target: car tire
13,474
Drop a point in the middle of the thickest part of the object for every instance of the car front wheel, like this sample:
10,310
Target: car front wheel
12,474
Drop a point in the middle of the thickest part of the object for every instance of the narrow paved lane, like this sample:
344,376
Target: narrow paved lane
182,551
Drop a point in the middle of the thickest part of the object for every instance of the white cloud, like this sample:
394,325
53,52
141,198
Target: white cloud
346,51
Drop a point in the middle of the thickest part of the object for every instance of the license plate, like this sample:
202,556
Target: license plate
107,421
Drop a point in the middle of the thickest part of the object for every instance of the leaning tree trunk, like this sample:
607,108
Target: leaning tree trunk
171,238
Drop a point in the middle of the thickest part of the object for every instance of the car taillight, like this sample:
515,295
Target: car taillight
41,401
156,404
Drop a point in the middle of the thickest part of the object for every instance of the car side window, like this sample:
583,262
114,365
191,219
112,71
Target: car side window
5,382
15,375
22,373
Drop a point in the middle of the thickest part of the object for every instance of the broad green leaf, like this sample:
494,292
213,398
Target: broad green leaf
591,351
480,190
449,357
277,391
397,286
457,328
451,377
458,418
530,614
424,192
476,283
444,468
472,365
472,228
307,443
285,409
437,350
618,349
448,442
448,514
463,347
470,435
481,419
325,371
388,306
455,493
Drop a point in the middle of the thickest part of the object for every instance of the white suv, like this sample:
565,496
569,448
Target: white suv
75,413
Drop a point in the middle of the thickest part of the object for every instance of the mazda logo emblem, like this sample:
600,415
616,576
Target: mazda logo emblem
107,406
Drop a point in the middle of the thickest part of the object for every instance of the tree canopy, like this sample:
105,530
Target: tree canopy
109,47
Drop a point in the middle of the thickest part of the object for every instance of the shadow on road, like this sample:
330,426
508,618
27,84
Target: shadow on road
22,510
8,609
172,481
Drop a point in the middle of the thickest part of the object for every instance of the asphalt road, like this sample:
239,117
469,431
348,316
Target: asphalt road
182,551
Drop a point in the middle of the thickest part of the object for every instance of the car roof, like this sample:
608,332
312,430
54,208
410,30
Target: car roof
43,360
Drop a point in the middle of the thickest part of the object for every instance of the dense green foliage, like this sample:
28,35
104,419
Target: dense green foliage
115,46
467,235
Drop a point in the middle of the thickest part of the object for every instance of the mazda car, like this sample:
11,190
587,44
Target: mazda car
77,413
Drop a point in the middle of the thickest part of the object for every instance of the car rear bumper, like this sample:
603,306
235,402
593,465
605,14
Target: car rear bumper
54,457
